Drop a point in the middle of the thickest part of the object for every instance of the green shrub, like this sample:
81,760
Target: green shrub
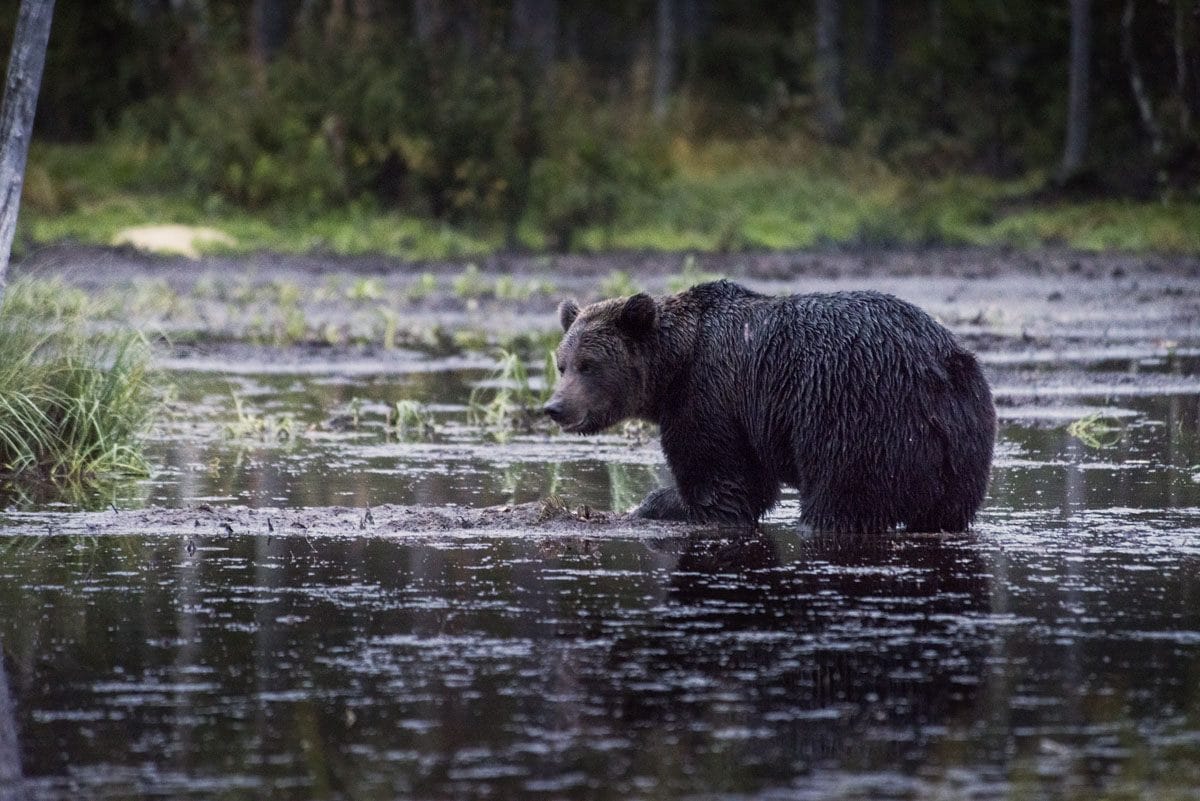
464,137
593,170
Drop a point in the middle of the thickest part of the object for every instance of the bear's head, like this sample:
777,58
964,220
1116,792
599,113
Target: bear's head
603,362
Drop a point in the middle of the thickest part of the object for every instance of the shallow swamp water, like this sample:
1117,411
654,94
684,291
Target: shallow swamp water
299,603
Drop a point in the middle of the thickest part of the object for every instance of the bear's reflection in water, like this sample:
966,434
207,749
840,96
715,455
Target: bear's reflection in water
849,652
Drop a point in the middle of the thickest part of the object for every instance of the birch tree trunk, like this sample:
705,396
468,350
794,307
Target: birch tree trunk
1075,146
16,114
1137,85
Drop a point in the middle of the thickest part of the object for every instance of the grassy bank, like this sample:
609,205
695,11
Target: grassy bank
721,196
72,405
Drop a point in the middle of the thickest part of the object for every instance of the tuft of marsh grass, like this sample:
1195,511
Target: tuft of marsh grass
72,407
391,327
409,420
421,288
48,299
509,288
364,289
618,283
470,283
689,276
470,339
248,424
511,402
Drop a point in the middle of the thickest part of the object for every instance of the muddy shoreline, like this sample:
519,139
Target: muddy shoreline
206,523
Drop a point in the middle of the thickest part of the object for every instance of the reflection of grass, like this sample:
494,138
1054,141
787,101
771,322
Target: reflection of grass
1097,430
71,407
85,494
626,491
391,327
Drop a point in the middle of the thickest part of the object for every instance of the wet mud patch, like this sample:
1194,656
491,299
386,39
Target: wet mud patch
551,517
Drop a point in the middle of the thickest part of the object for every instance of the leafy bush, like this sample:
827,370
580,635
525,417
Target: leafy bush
592,171
465,137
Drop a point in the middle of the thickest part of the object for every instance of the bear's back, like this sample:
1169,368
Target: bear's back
857,334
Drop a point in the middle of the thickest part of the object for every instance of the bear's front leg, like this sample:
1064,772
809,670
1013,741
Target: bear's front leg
717,480
662,504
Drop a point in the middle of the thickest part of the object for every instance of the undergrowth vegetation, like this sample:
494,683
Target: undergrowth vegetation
715,196
72,403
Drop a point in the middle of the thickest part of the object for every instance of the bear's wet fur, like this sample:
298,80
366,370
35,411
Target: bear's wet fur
861,401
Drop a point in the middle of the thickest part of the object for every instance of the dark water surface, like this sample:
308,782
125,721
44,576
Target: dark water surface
1054,652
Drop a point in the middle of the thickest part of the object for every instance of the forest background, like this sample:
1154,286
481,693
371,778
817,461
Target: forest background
431,129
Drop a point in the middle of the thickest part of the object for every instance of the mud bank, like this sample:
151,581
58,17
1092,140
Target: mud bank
203,522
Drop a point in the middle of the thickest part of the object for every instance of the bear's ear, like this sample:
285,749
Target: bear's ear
568,310
638,315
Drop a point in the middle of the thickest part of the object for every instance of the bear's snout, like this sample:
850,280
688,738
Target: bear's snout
554,410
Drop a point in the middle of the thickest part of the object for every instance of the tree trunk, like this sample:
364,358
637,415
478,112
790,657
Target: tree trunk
144,11
1140,96
664,56
427,20
693,22
827,70
877,25
269,25
535,30
1075,146
10,752
365,14
937,25
16,114
1181,69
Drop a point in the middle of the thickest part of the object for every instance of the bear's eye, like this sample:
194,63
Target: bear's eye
584,367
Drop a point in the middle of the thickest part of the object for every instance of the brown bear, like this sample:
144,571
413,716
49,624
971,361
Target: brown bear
861,401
